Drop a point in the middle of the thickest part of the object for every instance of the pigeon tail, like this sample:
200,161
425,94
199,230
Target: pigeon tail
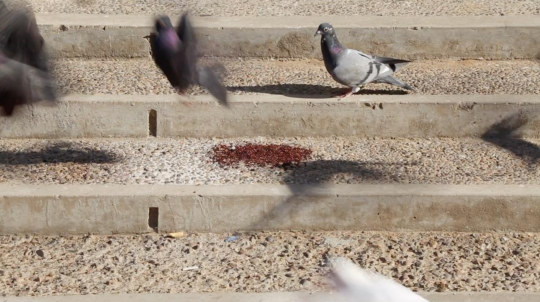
393,81
209,80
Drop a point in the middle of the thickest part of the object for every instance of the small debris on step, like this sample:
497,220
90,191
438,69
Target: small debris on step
191,268
177,235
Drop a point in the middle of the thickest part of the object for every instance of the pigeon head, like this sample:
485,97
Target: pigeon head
163,23
325,30
329,41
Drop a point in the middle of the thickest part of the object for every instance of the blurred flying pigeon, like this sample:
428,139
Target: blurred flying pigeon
359,285
175,53
24,75
353,68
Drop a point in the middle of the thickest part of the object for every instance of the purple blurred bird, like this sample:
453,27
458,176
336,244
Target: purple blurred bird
175,52
24,75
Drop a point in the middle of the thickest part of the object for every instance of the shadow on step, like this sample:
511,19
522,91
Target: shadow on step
58,153
323,171
307,90
506,134
307,177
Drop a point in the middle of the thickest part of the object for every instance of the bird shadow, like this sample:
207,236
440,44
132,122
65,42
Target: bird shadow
306,178
307,90
59,153
322,171
506,134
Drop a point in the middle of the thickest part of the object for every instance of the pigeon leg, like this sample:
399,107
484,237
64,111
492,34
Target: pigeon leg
348,93
182,93
8,109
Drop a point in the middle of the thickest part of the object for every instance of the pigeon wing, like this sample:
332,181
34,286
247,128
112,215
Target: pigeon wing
394,64
22,40
188,55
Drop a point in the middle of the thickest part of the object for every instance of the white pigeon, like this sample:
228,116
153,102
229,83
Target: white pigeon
360,285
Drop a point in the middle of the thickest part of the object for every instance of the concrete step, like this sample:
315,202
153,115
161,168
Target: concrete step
282,98
271,297
129,209
129,186
471,266
239,8
407,37
335,160
302,77
273,115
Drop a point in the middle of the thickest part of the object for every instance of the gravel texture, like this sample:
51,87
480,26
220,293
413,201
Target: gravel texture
255,76
294,8
334,160
263,262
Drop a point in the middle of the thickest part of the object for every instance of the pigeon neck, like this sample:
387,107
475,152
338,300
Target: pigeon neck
170,39
333,45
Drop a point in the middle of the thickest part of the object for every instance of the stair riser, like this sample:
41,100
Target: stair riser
271,116
292,37
110,209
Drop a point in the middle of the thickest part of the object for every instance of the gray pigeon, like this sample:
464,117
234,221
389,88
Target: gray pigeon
353,68
24,74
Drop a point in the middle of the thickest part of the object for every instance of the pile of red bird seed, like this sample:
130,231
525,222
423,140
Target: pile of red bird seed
260,155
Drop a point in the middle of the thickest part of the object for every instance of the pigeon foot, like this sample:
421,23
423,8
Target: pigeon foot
348,93
182,93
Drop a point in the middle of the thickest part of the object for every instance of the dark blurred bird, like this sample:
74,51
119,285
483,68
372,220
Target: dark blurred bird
24,75
354,68
176,54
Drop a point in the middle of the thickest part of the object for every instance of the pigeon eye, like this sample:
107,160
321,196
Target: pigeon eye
326,29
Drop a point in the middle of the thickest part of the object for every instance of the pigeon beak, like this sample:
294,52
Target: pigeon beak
317,33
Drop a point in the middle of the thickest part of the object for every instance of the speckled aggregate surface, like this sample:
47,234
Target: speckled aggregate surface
293,8
263,262
334,160
275,261
256,76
